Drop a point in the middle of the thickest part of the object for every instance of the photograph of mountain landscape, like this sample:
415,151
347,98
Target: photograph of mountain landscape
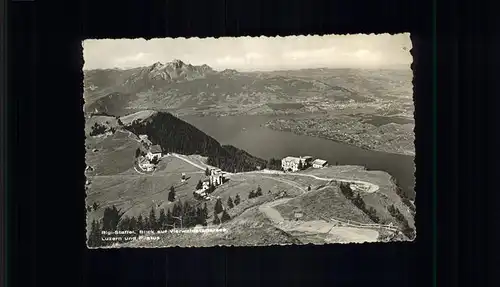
249,141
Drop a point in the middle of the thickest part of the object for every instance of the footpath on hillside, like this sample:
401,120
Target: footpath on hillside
331,232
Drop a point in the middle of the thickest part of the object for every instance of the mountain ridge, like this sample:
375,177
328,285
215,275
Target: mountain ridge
178,136
181,86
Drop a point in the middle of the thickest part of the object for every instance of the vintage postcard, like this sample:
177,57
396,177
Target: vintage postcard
249,141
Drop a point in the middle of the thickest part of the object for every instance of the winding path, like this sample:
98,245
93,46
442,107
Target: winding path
188,161
371,187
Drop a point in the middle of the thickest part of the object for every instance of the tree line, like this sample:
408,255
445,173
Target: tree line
407,230
175,135
358,201
182,215
274,164
98,129
254,194
404,198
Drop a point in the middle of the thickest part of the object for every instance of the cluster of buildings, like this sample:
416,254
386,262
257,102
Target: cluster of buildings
297,163
154,153
145,141
215,178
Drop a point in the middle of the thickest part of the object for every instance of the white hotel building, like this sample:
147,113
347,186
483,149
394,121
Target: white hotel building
292,163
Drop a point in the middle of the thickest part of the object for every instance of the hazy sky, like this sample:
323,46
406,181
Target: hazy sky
254,54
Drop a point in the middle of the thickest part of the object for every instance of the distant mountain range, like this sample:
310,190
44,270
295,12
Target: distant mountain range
179,86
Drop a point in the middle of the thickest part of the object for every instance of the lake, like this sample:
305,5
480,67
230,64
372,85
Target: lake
247,133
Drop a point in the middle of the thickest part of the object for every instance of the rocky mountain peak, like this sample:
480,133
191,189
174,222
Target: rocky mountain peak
177,64
157,66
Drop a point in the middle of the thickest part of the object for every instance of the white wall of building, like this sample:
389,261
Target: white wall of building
150,155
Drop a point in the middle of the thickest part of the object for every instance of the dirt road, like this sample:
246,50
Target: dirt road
271,213
371,187
181,157
328,230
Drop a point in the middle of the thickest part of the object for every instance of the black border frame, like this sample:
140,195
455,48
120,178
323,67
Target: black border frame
54,55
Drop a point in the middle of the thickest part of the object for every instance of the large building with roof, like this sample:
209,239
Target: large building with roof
154,152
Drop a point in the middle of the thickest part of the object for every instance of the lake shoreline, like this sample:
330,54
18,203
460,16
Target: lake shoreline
412,154
247,133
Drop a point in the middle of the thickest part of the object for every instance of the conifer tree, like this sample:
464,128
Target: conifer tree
189,216
218,208
358,201
259,191
110,219
177,209
124,224
205,210
199,215
309,188
153,224
162,220
237,199
225,217
133,224
171,194
251,194
94,239
170,220
203,217
207,172
140,222
199,185
230,202
216,219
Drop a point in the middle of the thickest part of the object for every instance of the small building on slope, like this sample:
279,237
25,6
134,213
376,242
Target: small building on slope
319,163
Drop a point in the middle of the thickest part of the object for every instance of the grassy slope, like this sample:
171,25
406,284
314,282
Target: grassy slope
336,204
136,194
386,195
114,155
258,232
141,115
324,203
